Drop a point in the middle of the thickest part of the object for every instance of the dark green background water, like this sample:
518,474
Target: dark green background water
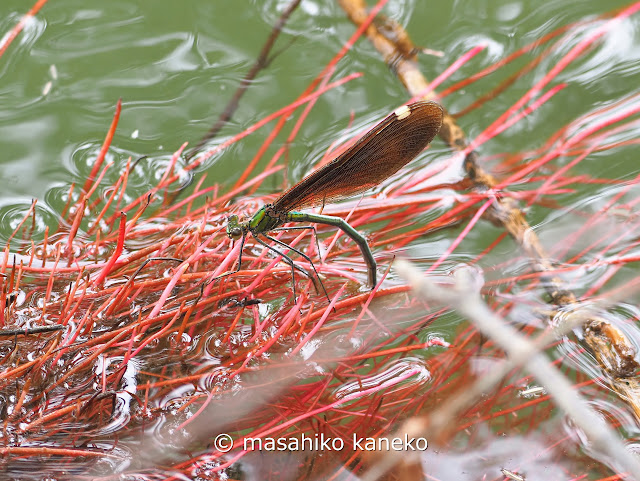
176,64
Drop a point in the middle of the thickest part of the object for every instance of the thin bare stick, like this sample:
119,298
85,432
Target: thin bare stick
30,330
466,300
261,62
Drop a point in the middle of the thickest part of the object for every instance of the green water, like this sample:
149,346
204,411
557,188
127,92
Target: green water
175,66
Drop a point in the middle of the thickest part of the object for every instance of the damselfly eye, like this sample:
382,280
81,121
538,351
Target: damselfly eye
234,230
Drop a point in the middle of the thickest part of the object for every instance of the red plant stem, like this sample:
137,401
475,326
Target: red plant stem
23,395
39,452
388,352
170,168
303,324
294,313
50,284
5,259
75,334
67,204
218,201
86,361
196,191
45,243
298,124
319,324
151,192
96,184
574,53
454,67
285,325
74,227
125,180
501,63
105,147
564,248
185,321
365,307
325,74
149,339
13,284
137,216
564,146
20,25
632,109
3,300
521,114
312,413
176,277
292,135
15,373
462,235
231,328
116,299
261,123
336,148
70,296
263,148
77,305
233,192
544,188
212,392
107,204
114,258
26,216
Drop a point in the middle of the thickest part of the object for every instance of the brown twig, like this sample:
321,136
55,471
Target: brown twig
612,349
30,330
261,62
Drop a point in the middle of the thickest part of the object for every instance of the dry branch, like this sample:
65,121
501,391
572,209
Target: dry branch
614,351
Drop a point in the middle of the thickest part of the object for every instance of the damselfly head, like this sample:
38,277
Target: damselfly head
234,228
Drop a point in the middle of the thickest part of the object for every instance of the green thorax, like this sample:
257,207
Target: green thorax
266,219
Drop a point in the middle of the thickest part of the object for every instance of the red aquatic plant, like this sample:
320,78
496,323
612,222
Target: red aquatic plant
143,360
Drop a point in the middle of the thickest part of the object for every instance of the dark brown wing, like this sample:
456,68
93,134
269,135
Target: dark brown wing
380,153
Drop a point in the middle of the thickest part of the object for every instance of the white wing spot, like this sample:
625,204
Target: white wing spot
402,112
